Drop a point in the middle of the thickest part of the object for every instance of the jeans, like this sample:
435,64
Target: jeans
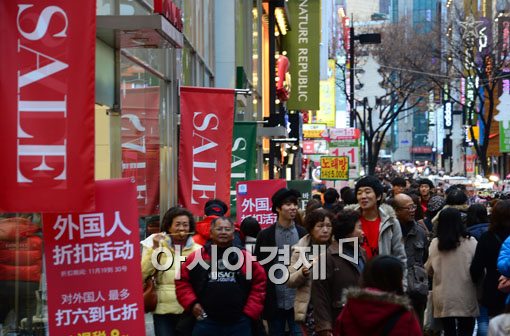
278,323
209,327
483,321
458,326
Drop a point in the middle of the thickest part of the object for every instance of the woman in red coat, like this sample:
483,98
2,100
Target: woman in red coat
379,307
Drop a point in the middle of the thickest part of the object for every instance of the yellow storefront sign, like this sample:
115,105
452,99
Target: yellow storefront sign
334,168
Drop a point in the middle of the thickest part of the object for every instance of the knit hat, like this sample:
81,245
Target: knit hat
436,203
427,182
215,207
372,182
283,194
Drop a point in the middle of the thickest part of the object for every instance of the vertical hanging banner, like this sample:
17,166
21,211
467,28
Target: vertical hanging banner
93,266
302,44
244,157
205,146
47,93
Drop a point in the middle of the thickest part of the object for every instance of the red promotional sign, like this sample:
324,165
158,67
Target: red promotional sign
47,93
93,266
254,199
140,145
205,147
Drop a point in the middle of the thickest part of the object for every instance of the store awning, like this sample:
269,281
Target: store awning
138,31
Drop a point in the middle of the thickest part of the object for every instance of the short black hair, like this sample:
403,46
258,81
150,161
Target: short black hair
331,196
345,222
456,197
384,272
215,220
250,227
399,181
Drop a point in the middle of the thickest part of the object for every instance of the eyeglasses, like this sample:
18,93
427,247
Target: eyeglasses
409,208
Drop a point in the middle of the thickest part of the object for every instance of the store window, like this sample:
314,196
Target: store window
140,134
22,284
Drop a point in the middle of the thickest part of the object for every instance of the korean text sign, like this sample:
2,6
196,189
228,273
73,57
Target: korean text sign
334,168
254,199
47,89
93,266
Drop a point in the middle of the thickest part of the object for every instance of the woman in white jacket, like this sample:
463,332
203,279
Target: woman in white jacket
453,292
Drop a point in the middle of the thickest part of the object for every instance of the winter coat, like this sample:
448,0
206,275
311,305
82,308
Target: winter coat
504,258
416,247
484,268
477,230
367,311
499,325
327,293
453,291
190,287
267,237
298,280
390,235
165,280
203,230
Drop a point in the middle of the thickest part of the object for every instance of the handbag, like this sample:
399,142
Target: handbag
150,296
504,284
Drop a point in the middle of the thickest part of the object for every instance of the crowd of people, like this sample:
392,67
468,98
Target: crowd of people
368,260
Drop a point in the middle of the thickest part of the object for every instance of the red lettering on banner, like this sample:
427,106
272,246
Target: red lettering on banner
36,158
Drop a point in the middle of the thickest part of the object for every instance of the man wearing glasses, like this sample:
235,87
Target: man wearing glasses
416,247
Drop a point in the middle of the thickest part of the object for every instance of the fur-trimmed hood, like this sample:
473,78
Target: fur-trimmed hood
368,310
375,295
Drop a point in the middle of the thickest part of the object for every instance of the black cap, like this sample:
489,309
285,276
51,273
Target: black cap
215,207
283,194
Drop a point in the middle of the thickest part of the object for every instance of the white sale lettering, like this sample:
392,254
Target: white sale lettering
41,158
201,146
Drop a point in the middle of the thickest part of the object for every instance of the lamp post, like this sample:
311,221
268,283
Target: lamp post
363,39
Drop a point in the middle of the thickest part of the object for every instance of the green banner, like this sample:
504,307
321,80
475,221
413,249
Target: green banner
244,157
304,187
504,137
302,46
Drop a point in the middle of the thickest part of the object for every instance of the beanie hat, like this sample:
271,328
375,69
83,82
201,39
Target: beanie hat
427,182
436,203
215,207
372,182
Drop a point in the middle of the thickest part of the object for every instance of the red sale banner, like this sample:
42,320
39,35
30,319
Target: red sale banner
205,147
254,200
47,93
93,266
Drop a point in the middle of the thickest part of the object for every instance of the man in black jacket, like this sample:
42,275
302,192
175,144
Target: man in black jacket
279,303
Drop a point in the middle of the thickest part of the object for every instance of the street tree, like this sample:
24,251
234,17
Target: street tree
475,69
403,90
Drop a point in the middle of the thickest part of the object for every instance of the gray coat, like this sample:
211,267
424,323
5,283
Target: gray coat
390,235
416,246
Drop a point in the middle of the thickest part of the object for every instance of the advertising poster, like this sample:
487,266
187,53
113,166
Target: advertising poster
334,168
93,266
254,199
